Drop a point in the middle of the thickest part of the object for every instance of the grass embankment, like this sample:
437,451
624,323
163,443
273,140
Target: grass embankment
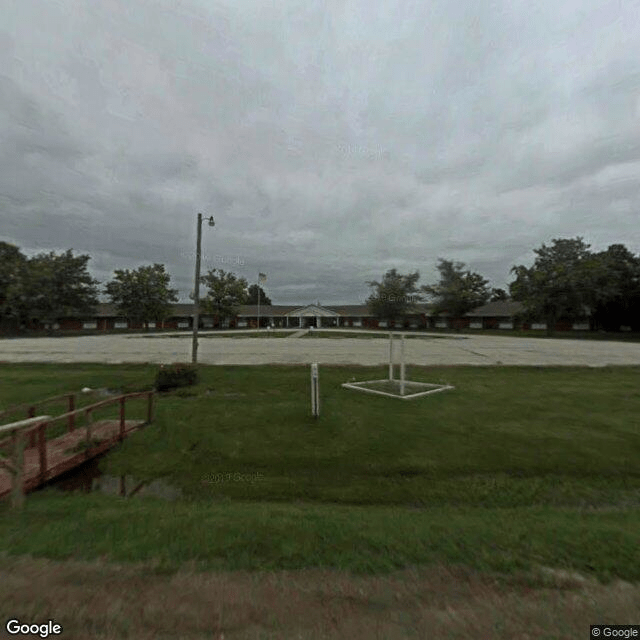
516,467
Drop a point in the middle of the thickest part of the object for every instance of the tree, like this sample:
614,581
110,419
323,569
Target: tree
499,295
394,297
612,282
556,287
12,265
459,290
143,294
226,292
253,296
54,286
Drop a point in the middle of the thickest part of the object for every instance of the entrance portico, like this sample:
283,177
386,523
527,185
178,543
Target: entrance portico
311,315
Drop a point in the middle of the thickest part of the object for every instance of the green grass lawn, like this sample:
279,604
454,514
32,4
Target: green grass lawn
264,333
364,334
516,466
435,333
615,336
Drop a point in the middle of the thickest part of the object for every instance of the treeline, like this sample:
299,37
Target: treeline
566,282
50,286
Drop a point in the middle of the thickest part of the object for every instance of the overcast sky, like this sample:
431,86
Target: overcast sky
330,140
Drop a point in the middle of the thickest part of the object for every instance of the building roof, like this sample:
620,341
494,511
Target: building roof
358,310
363,309
346,310
108,310
251,310
498,309
350,310
185,310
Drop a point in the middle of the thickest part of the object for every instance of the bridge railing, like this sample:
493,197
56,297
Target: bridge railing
71,401
35,429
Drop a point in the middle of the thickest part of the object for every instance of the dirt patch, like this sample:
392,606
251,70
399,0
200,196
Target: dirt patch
117,602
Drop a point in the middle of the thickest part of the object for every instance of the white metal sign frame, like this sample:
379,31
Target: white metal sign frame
429,388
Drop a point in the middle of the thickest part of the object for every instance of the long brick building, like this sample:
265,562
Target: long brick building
494,315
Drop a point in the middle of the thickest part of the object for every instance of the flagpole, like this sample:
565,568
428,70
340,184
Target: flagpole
261,278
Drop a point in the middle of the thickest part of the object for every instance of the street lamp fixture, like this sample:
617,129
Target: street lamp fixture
196,291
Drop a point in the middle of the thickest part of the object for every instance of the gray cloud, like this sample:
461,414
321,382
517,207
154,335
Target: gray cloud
330,141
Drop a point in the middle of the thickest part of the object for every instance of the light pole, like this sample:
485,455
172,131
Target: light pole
261,279
196,291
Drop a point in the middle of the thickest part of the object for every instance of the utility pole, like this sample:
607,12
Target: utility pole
196,291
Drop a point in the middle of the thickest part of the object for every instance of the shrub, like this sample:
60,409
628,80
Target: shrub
176,375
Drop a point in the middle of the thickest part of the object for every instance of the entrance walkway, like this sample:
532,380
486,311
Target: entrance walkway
298,334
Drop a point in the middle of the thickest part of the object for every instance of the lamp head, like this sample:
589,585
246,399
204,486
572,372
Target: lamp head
211,222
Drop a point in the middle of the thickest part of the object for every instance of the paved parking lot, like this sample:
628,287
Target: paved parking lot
472,350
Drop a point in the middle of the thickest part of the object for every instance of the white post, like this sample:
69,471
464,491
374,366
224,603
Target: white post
258,303
390,356
402,364
15,465
315,391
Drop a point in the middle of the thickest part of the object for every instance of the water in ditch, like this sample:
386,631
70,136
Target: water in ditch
88,478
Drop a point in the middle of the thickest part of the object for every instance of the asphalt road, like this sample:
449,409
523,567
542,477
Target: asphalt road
471,350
